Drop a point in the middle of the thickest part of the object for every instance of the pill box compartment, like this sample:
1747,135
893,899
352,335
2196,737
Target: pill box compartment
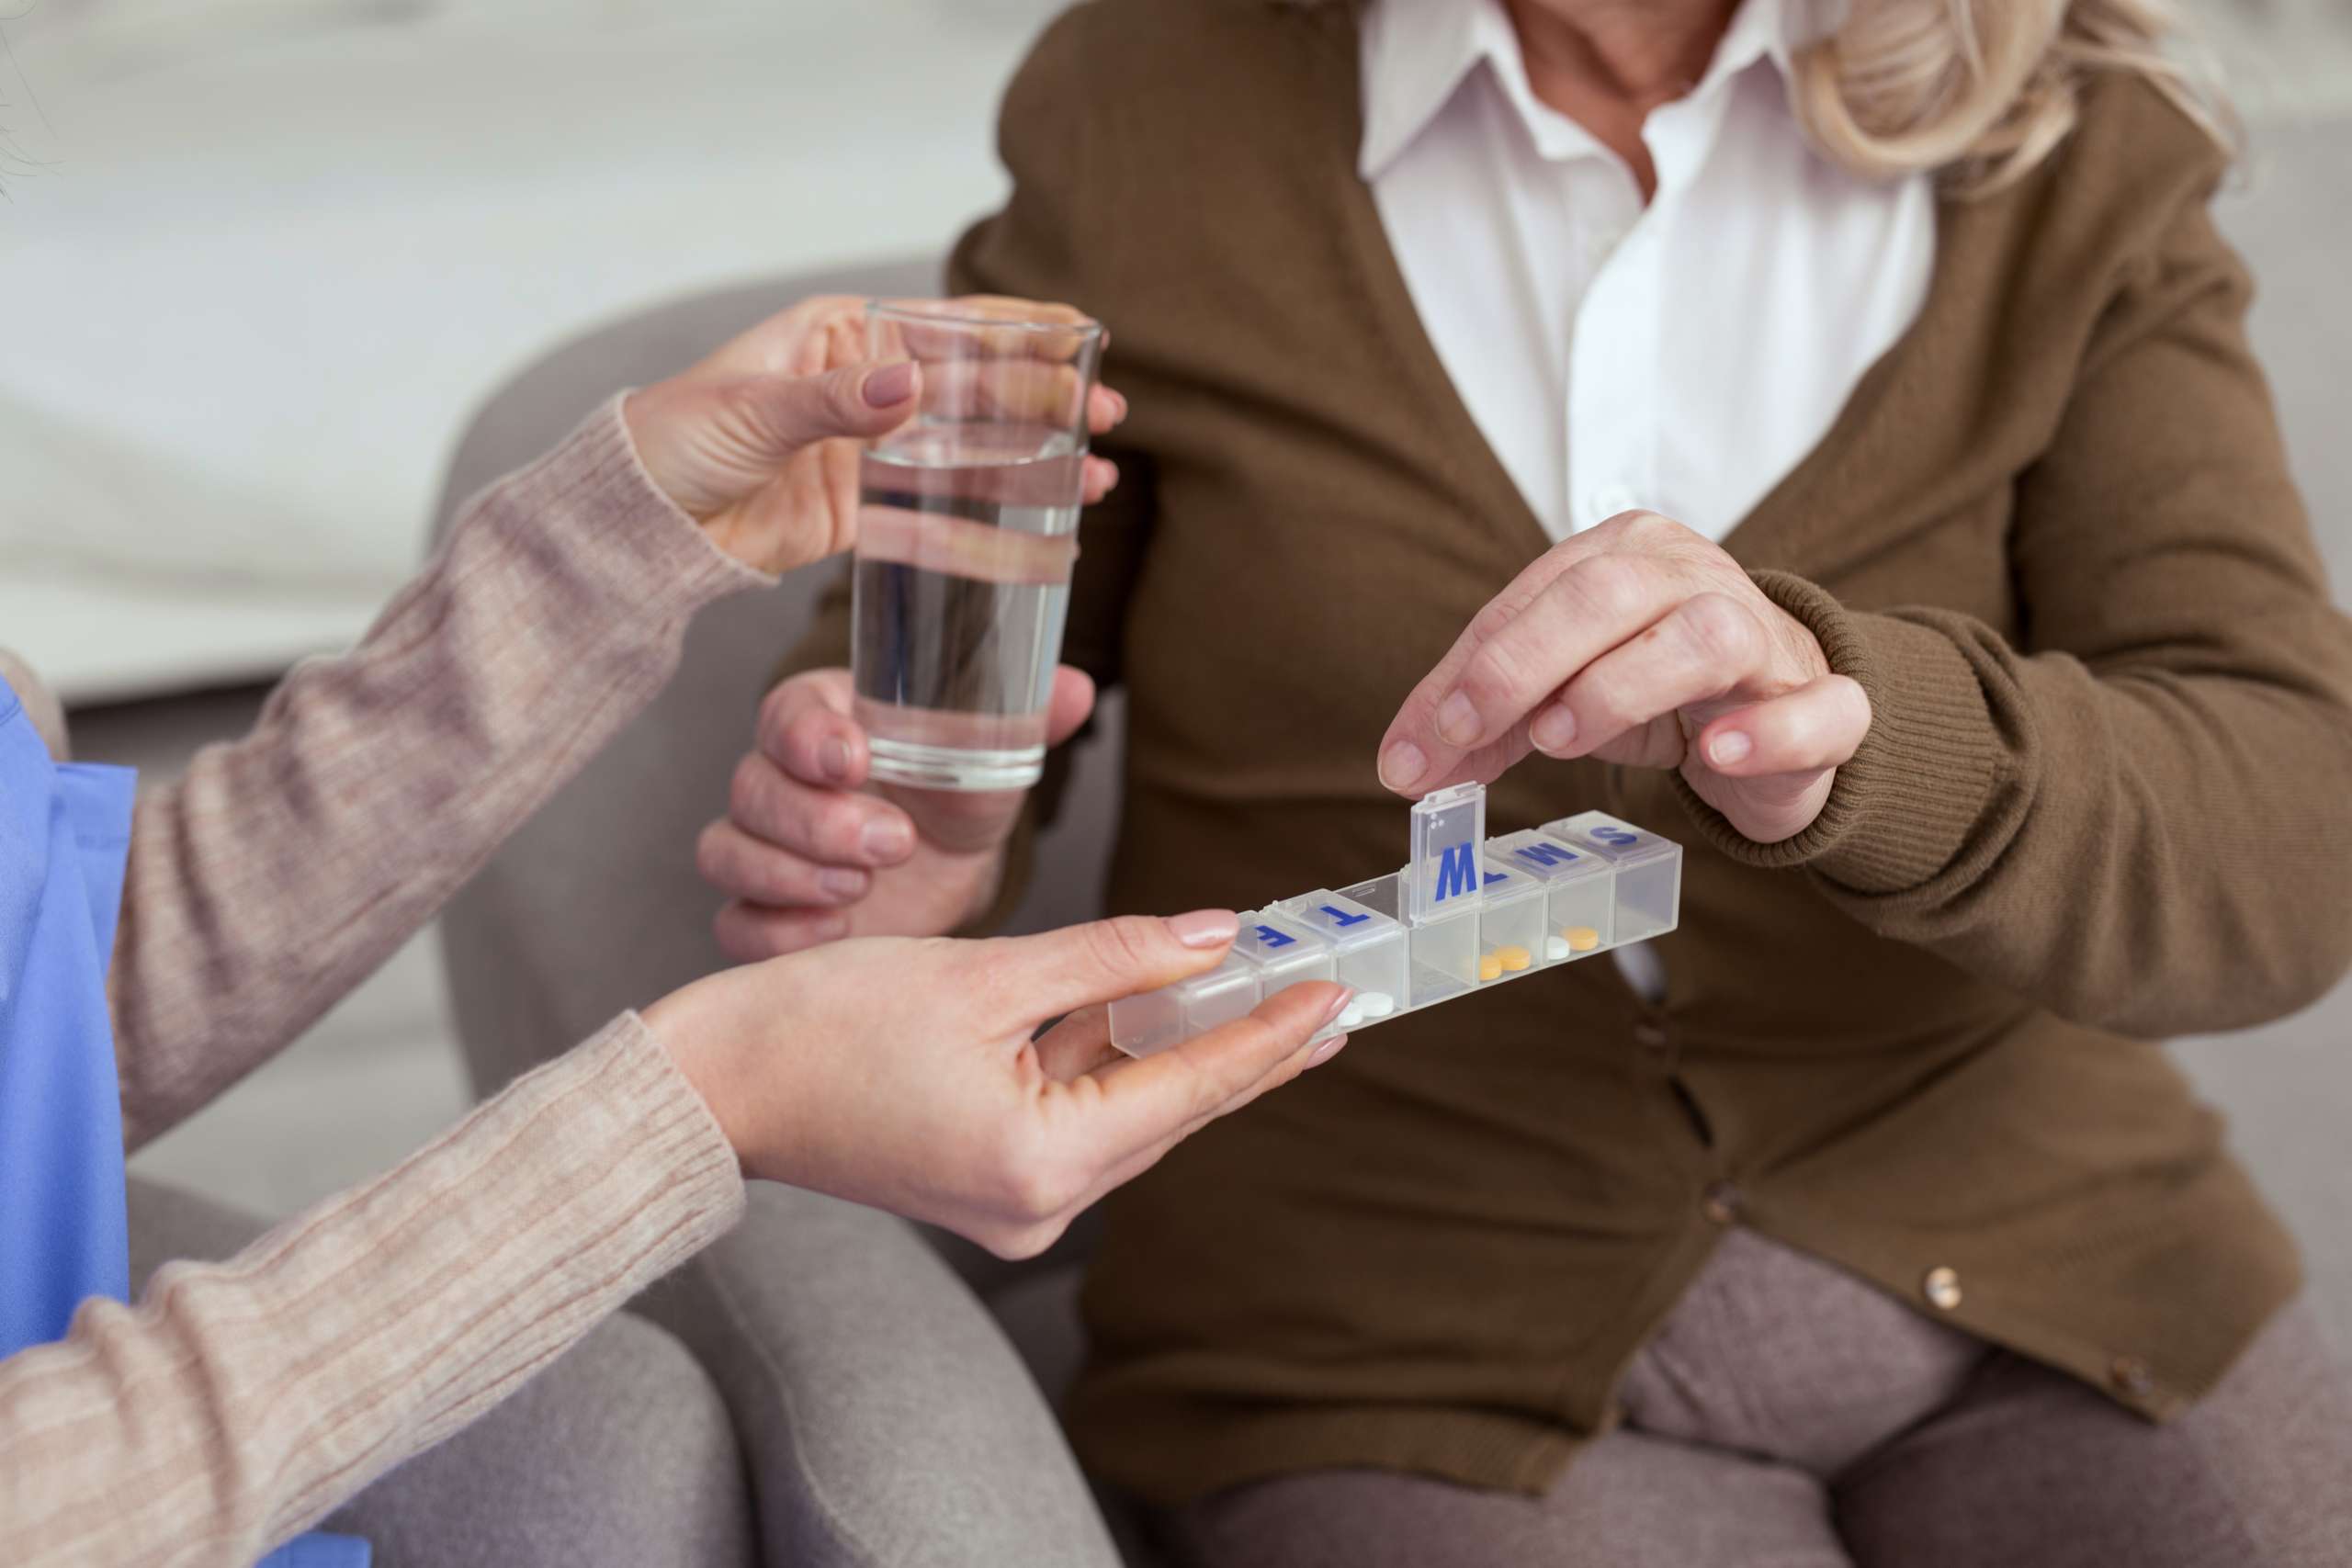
1367,946
1649,872
1511,934
1580,912
1444,955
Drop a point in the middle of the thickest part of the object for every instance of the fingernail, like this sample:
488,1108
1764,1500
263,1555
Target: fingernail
1731,746
833,757
1119,401
1338,1004
1206,928
887,386
885,841
1457,719
1402,765
1554,729
842,882
1324,1051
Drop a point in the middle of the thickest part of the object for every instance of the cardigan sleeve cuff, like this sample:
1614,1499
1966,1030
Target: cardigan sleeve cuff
1901,809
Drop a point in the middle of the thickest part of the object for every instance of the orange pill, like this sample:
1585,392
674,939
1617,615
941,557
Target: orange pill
1490,967
1514,959
1581,939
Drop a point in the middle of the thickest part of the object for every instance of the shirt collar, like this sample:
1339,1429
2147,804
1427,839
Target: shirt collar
1416,54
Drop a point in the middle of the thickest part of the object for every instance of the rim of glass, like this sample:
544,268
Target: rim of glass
945,313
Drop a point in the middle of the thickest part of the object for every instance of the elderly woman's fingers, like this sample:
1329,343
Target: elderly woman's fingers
1102,478
748,934
756,871
805,727
1820,724
1707,645
829,827
1524,649
1106,409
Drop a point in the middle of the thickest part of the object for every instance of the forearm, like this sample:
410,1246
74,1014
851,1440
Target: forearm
283,868
241,1401
2155,850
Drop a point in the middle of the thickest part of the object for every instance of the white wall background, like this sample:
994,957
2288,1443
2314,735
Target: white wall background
259,256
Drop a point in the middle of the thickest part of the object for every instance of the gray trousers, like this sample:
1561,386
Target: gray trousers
784,1398
1789,1417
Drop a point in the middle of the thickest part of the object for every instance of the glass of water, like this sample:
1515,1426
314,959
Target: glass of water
966,531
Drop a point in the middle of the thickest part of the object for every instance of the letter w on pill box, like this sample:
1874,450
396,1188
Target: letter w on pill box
1466,911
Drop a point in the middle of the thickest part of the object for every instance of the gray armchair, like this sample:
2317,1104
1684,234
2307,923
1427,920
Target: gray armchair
529,978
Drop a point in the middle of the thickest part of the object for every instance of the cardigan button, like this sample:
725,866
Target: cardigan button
1720,1202
1942,1288
2130,1375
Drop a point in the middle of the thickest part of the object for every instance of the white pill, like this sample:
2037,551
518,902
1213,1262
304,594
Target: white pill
1556,949
1351,1016
1377,1004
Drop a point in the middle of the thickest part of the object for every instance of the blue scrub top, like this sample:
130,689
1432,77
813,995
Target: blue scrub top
64,834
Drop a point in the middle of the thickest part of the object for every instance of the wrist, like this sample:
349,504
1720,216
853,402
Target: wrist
703,1048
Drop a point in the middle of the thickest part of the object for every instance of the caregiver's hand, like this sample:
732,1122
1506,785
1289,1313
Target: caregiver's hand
759,443
902,1073
1639,642
811,852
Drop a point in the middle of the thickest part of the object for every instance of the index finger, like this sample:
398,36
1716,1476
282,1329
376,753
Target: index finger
1144,1103
1508,659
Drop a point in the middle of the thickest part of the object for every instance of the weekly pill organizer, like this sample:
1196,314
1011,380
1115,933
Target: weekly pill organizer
1466,911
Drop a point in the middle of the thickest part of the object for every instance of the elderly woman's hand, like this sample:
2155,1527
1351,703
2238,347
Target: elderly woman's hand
902,1072
1640,642
759,443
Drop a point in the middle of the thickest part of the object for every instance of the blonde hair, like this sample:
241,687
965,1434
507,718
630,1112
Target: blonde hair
1978,92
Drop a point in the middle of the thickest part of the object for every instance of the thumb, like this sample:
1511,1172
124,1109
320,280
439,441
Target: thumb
1062,971
779,415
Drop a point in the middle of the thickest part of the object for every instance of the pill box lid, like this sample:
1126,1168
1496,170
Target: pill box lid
1619,842
1348,924
1546,857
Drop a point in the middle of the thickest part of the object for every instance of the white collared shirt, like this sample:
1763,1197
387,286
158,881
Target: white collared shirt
1682,357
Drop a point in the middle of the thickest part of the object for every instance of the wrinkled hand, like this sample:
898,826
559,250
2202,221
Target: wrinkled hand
759,443
1639,642
811,852
902,1073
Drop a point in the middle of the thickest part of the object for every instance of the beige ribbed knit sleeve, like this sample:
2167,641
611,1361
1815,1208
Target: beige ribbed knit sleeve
283,868
241,1402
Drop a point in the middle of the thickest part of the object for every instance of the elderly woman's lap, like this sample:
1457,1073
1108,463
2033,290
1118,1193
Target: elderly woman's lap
1788,1415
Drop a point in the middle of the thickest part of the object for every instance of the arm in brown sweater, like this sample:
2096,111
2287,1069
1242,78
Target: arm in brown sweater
2140,815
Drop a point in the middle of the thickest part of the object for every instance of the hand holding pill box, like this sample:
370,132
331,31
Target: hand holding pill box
1466,911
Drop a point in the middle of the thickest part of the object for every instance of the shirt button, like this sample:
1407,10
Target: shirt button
1650,1035
1607,500
2130,1375
1942,1288
1720,1202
